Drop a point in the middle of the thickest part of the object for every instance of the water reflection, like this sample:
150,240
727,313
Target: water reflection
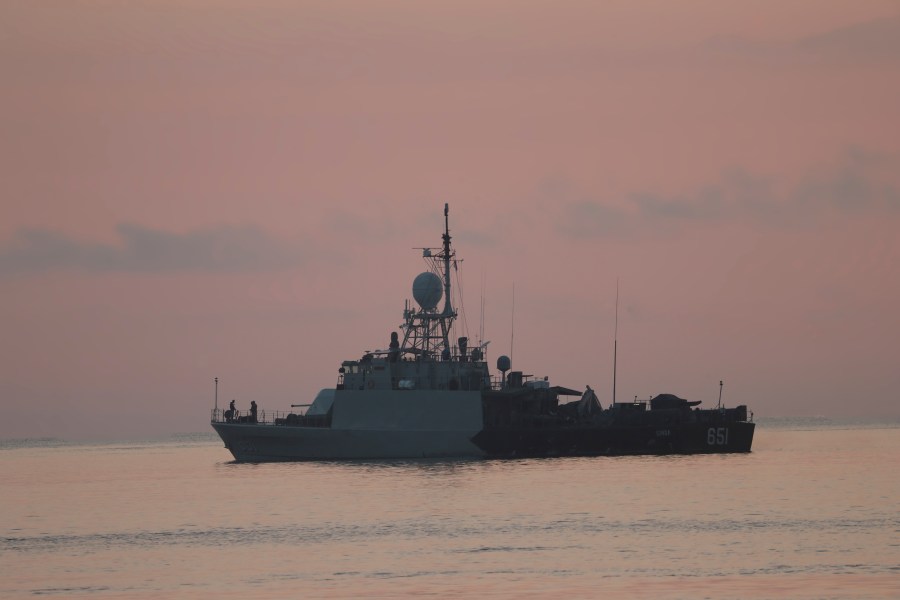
807,511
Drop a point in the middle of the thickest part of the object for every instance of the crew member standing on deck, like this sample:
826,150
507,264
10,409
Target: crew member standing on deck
253,411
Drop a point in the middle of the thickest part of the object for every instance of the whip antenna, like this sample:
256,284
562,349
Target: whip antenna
512,328
616,340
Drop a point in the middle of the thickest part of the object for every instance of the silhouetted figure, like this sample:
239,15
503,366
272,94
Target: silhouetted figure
253,411
230,413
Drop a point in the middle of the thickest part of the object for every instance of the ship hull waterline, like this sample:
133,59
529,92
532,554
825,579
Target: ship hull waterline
267,443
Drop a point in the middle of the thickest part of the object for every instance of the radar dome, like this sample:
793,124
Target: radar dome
503,363
427,290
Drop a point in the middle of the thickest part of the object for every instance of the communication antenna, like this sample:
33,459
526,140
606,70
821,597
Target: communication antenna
481,323
512,329
459,299
216,397
616,340
720,395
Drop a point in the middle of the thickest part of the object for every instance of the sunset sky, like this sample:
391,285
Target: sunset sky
198,189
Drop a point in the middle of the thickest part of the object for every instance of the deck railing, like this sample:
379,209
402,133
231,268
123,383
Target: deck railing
271,417
243,416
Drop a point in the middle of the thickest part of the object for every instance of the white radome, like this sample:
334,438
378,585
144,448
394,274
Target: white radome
427,290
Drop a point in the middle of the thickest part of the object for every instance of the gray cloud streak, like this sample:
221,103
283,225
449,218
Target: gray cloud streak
856,186
877,39
149,250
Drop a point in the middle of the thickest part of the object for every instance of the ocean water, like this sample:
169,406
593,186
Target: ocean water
812,512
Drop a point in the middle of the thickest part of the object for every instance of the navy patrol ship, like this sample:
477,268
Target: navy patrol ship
425,397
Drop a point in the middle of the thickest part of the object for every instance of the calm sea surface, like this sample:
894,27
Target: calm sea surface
812,512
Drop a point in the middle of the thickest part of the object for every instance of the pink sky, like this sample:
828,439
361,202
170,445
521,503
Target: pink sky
196,189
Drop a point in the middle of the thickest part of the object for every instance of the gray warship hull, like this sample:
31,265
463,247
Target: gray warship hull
510,424
261,443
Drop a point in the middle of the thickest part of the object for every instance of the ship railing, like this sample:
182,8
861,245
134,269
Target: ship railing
498,383
265,417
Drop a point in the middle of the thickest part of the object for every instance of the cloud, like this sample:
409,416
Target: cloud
878,39
586,218
858,184
875,41
584,215
145,250
855,187
737,194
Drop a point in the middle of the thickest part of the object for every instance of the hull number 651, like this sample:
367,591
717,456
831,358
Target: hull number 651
717,436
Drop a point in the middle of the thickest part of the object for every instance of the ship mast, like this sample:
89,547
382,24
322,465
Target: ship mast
446,316
427,330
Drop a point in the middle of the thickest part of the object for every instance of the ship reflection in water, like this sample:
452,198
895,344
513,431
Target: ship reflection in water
425,397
